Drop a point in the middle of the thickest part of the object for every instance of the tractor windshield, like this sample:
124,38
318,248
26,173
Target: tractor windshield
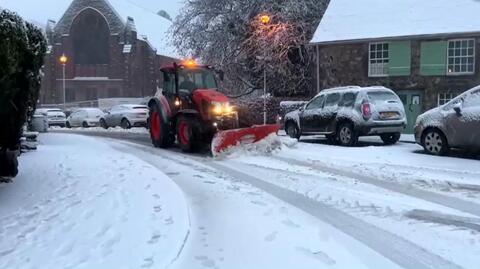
192,79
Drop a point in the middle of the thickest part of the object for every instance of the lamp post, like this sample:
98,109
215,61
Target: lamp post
265,20
63,61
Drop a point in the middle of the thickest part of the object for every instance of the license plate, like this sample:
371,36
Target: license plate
389,115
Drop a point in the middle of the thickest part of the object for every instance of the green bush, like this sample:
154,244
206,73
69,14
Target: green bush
22,50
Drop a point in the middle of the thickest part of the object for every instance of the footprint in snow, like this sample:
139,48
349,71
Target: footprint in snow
271,237
318,255
205,261
169,221
258,203
157,208
290,223
154,238
148,262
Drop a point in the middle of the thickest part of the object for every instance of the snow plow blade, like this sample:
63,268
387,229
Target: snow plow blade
230,138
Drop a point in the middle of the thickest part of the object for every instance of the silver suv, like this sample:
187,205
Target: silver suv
453,125
346,113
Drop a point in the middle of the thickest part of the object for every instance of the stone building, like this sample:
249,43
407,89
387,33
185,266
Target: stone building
114,49
425,50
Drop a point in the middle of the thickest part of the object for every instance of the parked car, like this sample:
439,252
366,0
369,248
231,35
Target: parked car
85,117
125,116
55,116
346,113
453,125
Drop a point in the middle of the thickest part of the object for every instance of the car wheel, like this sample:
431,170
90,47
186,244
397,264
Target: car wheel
346,135
292,130
435,143
390,139
125,124
68,125
186,134
85,124
103,124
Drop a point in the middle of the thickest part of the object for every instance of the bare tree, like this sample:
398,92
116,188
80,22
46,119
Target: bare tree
229,35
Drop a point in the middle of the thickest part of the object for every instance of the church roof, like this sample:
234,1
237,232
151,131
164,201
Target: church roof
150,26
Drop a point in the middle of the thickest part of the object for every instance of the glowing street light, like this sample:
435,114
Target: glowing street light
63,60
265,20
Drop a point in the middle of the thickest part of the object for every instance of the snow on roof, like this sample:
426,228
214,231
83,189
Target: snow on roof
149,25
147,22
349,20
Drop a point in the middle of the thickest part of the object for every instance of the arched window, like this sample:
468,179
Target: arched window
90,33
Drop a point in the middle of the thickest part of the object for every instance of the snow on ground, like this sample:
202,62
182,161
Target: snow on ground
235,225
78,203
378,206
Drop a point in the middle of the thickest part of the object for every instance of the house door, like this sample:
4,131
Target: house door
413,102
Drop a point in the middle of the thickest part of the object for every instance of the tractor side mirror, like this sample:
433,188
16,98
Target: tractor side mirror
458,109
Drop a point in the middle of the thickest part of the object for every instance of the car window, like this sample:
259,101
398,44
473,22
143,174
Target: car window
332,99
316,103
472,100
348,99
381,96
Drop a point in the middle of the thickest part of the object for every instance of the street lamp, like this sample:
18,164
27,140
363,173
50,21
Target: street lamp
63,61
265,20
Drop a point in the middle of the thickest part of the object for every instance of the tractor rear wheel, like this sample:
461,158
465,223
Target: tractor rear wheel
159,130
186,137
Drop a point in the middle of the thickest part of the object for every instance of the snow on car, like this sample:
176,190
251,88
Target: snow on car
125,116
343,114
55,116
453,125
85,117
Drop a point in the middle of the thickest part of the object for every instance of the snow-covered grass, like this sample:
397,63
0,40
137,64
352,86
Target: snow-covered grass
78,203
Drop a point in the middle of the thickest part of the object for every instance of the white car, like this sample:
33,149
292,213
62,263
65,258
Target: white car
85,117
125,116
55,116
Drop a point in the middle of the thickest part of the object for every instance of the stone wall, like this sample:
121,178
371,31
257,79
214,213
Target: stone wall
347,64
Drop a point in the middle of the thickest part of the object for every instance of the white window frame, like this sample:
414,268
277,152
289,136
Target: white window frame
445,97
452,72
385,64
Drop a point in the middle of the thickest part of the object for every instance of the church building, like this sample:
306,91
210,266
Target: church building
112,49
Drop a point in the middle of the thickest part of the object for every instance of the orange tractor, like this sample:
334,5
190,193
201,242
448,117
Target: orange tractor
190,109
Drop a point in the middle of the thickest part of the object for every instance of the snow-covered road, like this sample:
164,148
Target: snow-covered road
309,205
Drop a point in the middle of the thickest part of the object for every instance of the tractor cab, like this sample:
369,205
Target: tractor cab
181,80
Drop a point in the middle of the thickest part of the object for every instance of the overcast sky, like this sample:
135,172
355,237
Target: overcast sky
41,10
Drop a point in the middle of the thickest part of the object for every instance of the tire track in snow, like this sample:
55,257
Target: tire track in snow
447,201
397,249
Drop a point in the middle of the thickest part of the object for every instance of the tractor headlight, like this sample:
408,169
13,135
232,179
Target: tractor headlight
221,108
